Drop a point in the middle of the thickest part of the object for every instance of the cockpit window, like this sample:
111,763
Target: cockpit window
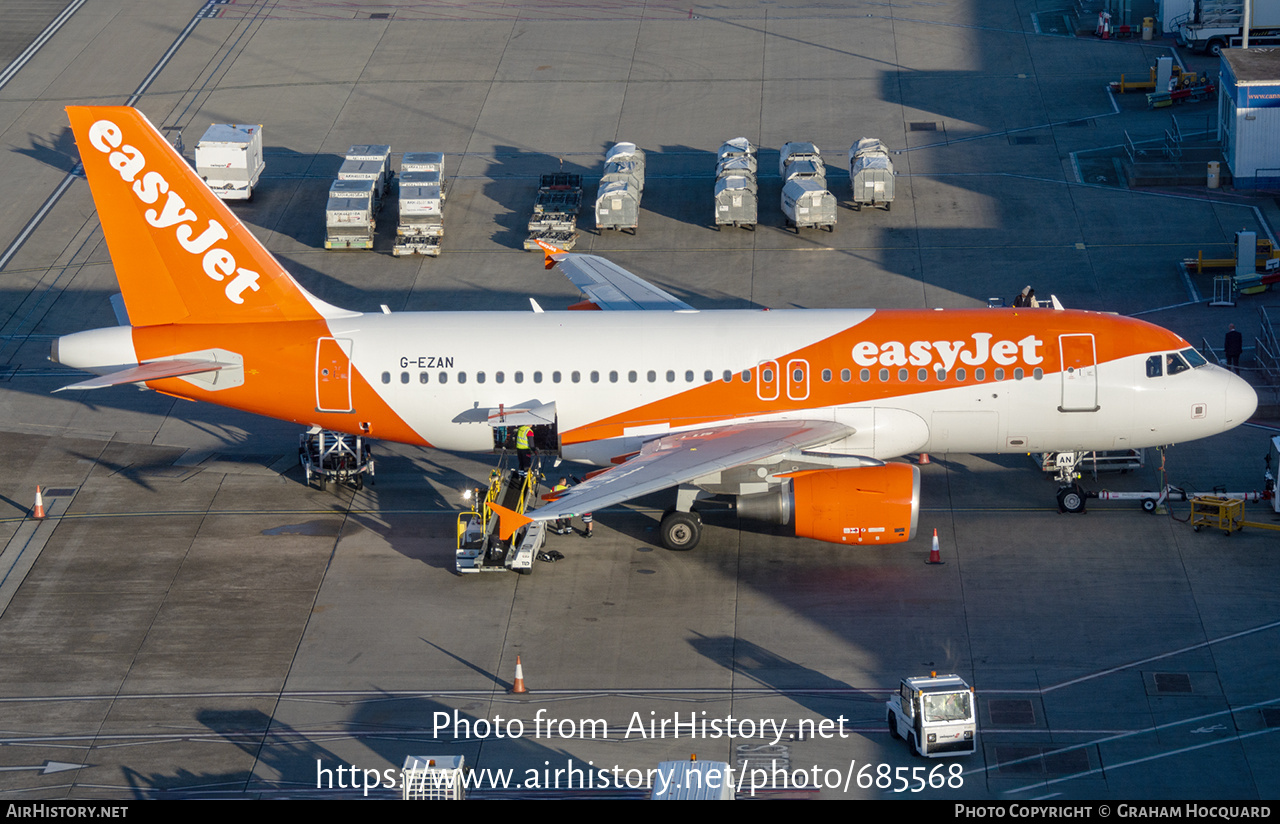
1153,366
1194,358
1174,364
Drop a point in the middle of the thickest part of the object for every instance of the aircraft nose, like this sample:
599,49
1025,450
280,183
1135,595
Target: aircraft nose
1241,401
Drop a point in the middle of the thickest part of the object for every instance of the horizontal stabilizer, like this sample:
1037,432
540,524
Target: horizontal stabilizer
155,370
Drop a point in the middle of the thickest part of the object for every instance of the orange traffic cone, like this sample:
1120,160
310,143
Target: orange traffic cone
924,458
934,556
519,687
38,512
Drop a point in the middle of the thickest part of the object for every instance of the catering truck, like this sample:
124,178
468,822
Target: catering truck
1214,25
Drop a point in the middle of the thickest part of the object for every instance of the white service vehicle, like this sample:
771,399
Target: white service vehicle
229,159
935,713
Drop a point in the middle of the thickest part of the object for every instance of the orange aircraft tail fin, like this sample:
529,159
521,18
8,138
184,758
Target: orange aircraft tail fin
180,255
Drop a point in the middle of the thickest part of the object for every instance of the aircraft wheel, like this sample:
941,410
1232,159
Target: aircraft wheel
1149,505
1071,499
680,530
359,484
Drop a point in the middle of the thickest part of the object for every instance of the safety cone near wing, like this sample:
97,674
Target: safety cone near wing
935,557
38,512
924,458
519,687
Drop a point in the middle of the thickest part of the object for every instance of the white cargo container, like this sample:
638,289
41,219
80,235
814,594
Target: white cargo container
737,165
810,169
627,171
791,152
625,151
421,195
871,174
617,206
349,222
422,162
736,147
736,201
229,159
808,205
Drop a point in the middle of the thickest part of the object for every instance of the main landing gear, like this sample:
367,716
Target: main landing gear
681,527
680,531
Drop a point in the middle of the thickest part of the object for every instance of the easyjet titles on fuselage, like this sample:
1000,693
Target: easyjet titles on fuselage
216,262
923,352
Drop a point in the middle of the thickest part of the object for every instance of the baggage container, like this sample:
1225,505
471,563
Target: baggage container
872,181
809,169
625,151
422,162
791,152
808,205
738,165
627,171
617,206
736,202
871,174
736,147
349,222
420,200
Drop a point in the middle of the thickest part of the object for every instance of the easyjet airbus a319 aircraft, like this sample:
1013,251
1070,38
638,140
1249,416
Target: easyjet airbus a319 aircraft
794,412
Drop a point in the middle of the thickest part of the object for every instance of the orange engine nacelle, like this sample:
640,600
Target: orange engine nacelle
863,505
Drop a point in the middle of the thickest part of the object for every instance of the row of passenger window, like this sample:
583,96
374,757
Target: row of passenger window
767,376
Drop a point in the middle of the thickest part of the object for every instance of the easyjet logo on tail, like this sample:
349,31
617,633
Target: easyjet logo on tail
148,187
979,350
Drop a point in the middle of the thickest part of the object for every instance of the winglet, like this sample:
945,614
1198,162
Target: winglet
508,520
548,262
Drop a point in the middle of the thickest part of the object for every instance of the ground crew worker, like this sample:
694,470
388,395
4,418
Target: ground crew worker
524,446
563,526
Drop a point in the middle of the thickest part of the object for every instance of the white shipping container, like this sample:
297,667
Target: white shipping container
799,150
420,199
422,162
808,205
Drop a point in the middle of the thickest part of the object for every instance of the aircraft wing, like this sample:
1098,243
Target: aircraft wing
151,371
683,457
609,286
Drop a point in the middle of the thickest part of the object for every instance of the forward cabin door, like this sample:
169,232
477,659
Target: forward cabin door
1079,373
333,375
